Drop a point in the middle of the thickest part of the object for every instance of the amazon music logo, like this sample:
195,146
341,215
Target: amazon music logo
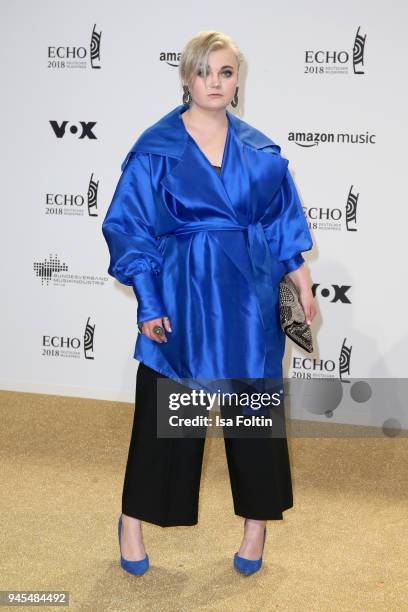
309,367
62,57
333,293
331,218
53,270
70,346
313,139
339,61
171,58
74,204
84,129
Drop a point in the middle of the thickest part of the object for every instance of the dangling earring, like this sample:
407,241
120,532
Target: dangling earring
234,101
186,95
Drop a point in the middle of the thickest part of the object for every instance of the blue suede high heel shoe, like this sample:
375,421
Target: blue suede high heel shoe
248,566
137,568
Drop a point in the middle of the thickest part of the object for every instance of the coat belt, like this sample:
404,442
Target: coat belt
267,271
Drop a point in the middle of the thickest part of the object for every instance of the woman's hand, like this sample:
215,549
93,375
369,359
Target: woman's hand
301,280
308,304
148,329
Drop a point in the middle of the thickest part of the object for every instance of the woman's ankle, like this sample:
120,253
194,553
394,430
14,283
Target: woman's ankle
251,524
130,520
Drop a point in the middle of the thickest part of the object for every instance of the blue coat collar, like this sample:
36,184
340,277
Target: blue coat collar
168,136
252,168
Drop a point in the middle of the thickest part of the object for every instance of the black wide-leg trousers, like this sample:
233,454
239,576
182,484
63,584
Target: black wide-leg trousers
162,476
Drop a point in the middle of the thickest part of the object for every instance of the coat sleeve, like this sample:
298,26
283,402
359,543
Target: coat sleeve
128,229
286,227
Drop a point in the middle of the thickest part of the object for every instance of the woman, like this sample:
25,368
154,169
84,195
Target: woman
204,223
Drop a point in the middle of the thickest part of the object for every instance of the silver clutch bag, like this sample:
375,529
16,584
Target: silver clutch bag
292,316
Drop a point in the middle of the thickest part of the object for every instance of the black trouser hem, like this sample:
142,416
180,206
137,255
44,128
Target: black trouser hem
258,517
159,522
189,523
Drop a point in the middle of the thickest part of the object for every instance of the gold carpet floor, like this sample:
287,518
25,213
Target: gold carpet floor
343,546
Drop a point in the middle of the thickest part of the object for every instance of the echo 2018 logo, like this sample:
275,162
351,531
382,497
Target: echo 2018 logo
331,218
310,367
74,204
321,61
72,56
70,346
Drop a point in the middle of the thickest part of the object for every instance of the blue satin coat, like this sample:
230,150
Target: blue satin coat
207,250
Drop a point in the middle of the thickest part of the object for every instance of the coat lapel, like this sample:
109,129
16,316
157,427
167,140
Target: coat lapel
195,183
250,175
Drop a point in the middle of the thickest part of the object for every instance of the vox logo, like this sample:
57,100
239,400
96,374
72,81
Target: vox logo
82,128
334,293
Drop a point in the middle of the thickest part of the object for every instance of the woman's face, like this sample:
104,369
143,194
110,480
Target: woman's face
222,79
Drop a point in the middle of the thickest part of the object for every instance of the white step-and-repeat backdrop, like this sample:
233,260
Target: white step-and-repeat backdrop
81,80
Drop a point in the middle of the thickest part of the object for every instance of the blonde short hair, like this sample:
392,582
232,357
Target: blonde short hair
194,56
